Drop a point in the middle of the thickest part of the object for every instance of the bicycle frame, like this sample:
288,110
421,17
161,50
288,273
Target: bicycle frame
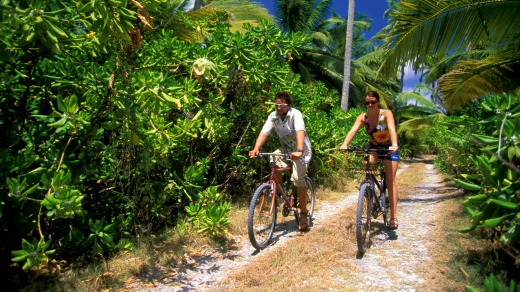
369,203
262,215
371,175
278,187
374,181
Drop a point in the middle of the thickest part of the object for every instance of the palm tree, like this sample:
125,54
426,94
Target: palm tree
324,61
348,55
309,18
413,112
474,45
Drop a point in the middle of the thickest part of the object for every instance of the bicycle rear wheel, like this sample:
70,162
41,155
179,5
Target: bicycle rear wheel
311,196
363,217
261,219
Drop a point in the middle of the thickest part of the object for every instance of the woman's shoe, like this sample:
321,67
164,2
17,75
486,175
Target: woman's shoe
304,221
394,224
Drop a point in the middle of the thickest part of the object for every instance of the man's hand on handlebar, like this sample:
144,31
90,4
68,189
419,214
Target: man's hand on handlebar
253,153
296,155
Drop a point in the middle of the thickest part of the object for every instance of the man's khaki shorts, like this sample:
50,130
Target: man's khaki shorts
299,168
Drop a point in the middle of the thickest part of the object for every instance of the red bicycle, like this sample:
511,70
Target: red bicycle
264,204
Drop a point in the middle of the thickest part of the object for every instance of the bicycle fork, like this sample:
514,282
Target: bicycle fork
265,200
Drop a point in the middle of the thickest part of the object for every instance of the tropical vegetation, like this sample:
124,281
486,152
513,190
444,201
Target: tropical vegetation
122,118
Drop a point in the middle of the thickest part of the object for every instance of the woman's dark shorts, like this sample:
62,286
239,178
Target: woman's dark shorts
390,156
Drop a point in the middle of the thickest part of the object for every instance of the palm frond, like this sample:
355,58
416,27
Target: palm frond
445,64
414,98
317,14
413,127
470,79
431,28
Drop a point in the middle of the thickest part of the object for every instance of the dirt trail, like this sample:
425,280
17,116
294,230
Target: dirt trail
397,260
400,258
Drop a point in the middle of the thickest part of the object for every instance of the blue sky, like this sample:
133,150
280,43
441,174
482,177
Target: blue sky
374,9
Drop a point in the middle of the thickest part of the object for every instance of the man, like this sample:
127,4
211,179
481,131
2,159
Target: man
289,126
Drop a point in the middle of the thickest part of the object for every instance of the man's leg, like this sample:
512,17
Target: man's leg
302,198
298,178
281,164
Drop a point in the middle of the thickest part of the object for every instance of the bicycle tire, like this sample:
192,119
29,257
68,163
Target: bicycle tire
363,217
386,202
311,196
261,220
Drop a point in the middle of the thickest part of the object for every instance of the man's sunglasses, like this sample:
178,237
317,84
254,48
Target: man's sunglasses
281,104
370,102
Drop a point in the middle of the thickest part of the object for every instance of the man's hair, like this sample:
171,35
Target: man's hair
285,96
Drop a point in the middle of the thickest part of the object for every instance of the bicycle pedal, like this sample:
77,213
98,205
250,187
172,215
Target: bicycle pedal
285,211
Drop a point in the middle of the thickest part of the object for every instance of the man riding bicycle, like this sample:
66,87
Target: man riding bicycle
289,126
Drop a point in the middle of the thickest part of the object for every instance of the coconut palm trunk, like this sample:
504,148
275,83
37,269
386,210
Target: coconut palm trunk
348,56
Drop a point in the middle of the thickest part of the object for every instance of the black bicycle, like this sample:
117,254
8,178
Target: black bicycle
373,200
264,204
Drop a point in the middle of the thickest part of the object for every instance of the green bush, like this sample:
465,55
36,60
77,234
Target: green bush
495,202
111,129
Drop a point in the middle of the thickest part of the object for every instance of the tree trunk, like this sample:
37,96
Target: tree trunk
348,56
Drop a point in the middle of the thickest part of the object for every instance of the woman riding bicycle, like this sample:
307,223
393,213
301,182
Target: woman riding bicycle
289,126
380,126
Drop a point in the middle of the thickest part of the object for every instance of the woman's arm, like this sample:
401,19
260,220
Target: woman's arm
353,130
390,122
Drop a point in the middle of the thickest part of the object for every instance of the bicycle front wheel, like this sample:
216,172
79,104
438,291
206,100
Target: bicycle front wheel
261,219
386,201
363,217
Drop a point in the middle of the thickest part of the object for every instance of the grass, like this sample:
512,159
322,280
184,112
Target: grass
318,260
164,254
304,263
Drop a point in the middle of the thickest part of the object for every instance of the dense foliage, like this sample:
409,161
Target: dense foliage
120,118
480,149
112,126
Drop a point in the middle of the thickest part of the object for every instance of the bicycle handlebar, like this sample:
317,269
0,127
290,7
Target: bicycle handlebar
267,154
378,150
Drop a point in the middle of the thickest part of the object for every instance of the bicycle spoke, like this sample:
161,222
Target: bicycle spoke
364,215
262,216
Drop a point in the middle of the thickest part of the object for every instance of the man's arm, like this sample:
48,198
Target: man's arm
260,140
300,143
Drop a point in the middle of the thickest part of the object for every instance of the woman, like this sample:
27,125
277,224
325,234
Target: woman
380,126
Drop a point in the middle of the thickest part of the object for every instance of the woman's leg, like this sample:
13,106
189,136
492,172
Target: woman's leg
391,185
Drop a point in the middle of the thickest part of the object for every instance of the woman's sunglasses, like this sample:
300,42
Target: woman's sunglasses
370,102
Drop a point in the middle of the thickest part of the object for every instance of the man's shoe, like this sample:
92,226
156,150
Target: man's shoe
304,221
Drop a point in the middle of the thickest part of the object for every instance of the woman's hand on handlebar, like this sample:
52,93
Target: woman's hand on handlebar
343,148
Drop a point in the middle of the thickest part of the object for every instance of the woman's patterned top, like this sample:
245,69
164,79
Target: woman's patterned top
379,135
